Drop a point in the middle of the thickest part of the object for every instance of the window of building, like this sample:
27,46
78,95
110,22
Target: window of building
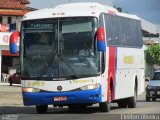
9,20
1,19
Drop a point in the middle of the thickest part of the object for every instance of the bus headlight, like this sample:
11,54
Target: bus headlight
150,87
30,90
90,87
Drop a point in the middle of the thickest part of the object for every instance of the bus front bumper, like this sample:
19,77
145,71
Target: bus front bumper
62,98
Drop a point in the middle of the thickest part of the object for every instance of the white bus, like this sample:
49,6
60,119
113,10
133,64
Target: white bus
80,54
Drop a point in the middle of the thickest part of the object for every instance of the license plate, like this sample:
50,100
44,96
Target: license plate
63,98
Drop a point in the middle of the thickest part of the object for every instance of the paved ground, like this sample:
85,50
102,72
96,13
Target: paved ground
10,95
11,106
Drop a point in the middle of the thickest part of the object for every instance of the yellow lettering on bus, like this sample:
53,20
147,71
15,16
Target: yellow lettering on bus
33,84
29,84
42,83
81,81
128,60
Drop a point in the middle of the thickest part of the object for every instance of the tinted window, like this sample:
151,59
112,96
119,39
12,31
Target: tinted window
59,47
121,31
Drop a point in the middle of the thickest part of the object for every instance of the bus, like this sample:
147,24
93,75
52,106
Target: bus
78,55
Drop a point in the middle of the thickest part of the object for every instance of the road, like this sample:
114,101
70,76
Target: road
11,106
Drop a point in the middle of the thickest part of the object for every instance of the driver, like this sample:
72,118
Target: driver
86,51
44,39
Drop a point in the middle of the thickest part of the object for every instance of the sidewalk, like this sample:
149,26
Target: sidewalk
1,83
10,95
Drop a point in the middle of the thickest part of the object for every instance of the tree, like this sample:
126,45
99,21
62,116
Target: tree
152,54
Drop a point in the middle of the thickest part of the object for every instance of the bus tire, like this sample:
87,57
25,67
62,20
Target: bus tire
105,106
41,109
132,100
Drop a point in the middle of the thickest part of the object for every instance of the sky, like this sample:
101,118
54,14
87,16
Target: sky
146,9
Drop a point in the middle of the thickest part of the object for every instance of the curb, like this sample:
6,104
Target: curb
7,84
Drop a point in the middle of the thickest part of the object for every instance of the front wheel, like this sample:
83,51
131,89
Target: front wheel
41,109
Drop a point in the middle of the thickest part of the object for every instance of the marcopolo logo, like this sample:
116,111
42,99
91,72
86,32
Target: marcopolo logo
59,88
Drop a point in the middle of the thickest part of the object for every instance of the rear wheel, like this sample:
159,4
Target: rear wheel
132,100
42,109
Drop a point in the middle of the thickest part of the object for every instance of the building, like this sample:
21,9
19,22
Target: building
151,35
11,13
151,32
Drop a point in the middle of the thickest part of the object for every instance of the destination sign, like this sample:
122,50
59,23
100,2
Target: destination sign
49,26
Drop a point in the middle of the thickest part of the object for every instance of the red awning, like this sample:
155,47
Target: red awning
14,13
7,53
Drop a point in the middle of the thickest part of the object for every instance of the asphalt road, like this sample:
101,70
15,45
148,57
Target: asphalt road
91,113
18,111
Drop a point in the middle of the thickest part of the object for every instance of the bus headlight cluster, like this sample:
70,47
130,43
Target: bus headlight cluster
30,90
90,87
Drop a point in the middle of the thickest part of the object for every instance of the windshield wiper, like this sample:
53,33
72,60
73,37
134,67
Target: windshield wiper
50,61
64,59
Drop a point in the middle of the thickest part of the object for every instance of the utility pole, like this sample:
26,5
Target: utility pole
113,3
159,38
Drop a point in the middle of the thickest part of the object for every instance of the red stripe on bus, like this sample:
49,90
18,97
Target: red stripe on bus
111,71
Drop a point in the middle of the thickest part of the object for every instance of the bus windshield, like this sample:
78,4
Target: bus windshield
59,48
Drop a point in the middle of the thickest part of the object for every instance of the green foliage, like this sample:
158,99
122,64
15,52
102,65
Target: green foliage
152,54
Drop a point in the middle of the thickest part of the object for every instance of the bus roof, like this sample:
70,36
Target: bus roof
75,10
